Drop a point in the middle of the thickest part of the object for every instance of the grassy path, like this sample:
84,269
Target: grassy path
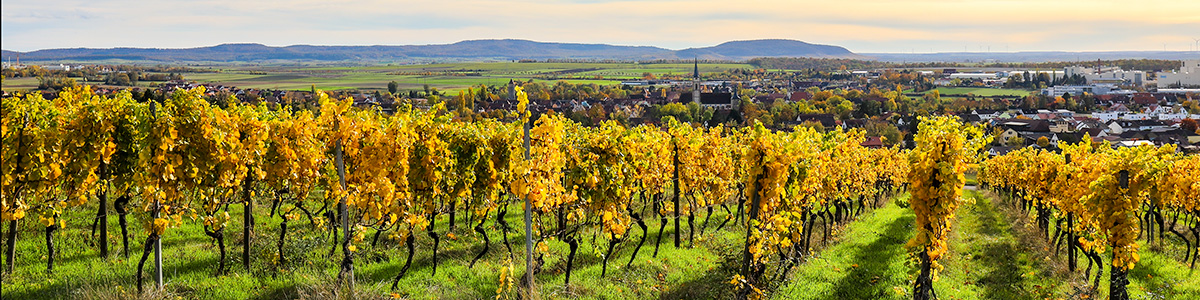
1159,274
985,260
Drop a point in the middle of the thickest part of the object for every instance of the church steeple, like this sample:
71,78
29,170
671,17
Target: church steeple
696,81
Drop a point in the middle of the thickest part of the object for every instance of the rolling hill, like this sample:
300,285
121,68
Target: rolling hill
505,49
739,50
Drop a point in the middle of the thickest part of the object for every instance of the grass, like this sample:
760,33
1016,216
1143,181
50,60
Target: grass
989,260
190,260
490,73
990,257
1159,274
981,91
866,262
993,255
17,84
377,77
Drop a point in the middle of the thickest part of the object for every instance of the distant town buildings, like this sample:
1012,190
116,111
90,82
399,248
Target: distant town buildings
1188,75
1077,90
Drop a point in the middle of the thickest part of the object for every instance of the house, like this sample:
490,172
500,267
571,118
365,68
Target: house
826,120
799,96
873,142
1031,138
1145,99
1131,144
854,123
1024,125
1083,124
985,114
1059,125
1107,116
1095,132
718,101
1172,116
1000,150
1143,124
1008,135
1115,128
1029,113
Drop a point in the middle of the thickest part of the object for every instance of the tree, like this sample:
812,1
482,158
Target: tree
393,87
844,109
1189,125
1016,141
1043,142
891,135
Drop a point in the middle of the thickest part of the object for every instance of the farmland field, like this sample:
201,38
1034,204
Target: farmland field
446,77
13,84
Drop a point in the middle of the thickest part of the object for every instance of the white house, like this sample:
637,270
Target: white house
1106,116
1115,128
1136,117
1177,116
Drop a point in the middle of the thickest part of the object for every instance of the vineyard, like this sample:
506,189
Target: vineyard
378,203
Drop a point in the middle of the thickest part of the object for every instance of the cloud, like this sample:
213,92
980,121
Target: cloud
861,26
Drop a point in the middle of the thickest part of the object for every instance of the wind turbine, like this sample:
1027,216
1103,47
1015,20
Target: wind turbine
1197,44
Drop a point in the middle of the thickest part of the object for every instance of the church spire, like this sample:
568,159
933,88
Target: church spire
696,68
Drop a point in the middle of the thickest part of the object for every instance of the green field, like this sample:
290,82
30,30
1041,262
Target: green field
18,84
982,91
446,77
994,254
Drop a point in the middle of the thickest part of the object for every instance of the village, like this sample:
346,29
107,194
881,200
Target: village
1107,104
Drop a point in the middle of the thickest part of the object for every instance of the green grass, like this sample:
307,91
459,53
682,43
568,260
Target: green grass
987,260
982,91
190,260
17,84
870,262
991,257
867,261
490,73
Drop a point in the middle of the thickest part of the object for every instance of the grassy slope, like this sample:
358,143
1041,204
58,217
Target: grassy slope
190,260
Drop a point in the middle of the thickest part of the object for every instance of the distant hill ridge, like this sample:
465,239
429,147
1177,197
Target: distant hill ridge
506,49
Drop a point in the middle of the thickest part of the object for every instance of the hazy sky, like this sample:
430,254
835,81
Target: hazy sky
859,25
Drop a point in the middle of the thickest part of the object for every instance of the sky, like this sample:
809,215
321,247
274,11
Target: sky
863,26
